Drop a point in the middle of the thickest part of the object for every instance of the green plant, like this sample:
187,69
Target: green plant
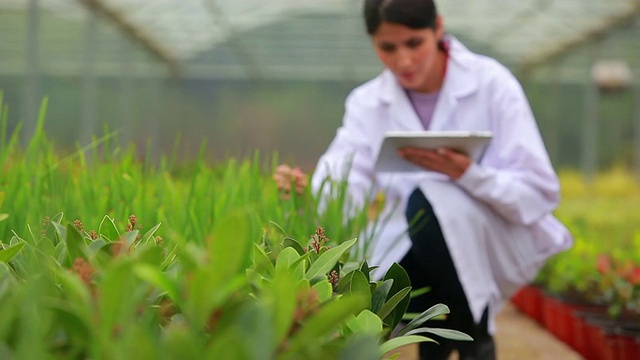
600,269
228,280
619,285
115,294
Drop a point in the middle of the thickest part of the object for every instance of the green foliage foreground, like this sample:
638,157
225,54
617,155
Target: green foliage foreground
238,273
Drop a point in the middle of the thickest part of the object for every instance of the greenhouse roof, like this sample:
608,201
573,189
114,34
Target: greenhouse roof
294,39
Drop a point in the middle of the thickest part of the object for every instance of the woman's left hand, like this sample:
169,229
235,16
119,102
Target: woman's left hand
442,160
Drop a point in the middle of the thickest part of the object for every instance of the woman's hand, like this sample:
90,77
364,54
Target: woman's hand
442,160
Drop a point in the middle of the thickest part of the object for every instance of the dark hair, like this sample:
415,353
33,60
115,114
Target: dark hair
415,14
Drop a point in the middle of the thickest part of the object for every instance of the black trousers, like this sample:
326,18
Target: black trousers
429,264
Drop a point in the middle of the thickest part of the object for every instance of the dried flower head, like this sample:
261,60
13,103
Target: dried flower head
319,239
84,270
334,279
133,220
78,224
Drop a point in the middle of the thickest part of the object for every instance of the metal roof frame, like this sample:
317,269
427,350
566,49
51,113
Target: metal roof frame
231,38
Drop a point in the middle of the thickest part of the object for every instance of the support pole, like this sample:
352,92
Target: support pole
126,99
590,133
637,126
591,126
555,100
637,108
154,117
89,80
32,85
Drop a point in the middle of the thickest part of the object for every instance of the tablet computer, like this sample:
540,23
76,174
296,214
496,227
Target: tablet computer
472,143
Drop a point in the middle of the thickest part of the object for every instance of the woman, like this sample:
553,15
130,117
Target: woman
486,227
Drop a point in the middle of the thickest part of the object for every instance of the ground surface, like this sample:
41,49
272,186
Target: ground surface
520,338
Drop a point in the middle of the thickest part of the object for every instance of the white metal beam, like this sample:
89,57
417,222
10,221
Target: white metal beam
135,32
586,35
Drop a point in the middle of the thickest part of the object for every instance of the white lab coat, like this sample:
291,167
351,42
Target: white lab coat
497,218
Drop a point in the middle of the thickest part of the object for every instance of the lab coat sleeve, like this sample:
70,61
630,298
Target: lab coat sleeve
515,177
349,156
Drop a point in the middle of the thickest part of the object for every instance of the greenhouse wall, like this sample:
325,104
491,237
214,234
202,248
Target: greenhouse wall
296,119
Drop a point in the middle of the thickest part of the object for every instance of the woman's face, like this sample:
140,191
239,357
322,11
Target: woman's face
412,55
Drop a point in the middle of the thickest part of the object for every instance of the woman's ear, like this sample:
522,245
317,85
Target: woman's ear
439,27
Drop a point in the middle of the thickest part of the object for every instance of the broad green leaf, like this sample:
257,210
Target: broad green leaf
286,258
72,318
328,260
278,227
149,234
5,272
149,253
4,216
180,343
254,321
157,278
61,231
366,323
366,270
390,305
75,290
359,347
142,343
204,296
299,267
445,333
75,243
120,294
97,245
324,289
355,282
293,243
261,260
108,228
281,296
128,239
397,342
227,344
57,218
435,310
7,254
327,319
45,245
380,295
229,247
344,287
401,281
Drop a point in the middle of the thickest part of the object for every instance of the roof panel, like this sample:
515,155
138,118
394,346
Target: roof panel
255,36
